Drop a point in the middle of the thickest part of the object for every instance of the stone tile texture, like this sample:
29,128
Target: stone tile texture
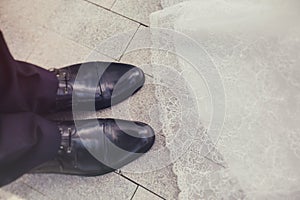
138,10
110,186
90,25
145,195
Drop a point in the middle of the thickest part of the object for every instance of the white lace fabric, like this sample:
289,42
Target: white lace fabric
255,46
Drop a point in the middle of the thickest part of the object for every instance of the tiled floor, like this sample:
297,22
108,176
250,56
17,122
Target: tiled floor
57,33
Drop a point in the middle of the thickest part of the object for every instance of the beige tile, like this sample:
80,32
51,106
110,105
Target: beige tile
140,58
21,37
110,186
104,3
90,25
54,51
138,10
143,194
36,11
23,23
168,3
162,182
20,191
146,49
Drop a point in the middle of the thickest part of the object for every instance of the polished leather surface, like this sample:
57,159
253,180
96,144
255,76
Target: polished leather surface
96,147
98,85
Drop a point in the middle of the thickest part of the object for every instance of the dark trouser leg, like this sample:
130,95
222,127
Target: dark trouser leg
26,141
23,86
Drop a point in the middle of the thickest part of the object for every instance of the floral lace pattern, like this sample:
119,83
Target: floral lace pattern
256,48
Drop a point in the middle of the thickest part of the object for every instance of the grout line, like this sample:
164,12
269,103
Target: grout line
137,187
81,44
149,75
113,4
34,189
146,26
141,23
129,43
94,48
44,33
120,174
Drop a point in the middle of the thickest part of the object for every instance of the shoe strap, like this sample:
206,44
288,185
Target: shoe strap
66,143
63,77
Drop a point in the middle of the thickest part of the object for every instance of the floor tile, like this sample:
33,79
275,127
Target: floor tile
138,51
143,194
20,191
167,3
21,37
36,11
162,182
55,51
138,10
90,25
104,3
110,186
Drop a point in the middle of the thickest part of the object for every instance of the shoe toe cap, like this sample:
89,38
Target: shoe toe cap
130,136
146,137
129,82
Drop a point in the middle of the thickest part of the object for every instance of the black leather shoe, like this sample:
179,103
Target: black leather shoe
98,85
96,147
